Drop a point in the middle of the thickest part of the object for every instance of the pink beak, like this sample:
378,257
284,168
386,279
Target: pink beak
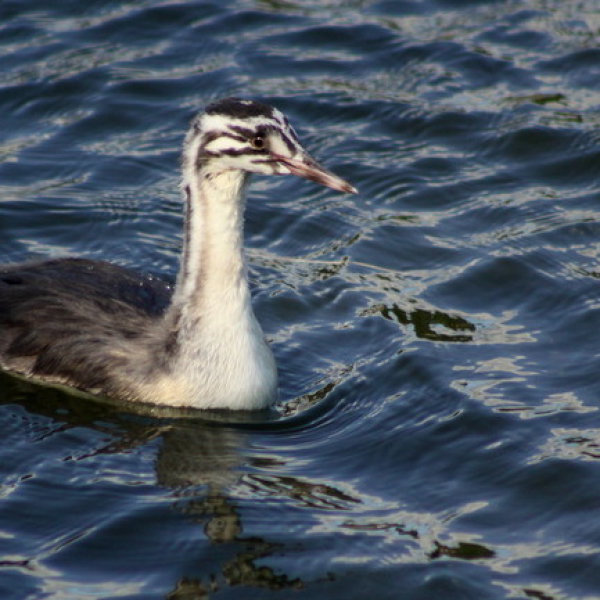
308,168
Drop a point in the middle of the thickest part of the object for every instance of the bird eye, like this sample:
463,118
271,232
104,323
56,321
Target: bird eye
258,142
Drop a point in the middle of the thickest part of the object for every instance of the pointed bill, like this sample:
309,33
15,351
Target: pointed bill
308,168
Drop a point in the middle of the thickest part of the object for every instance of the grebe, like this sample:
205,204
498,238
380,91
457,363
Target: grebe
108,331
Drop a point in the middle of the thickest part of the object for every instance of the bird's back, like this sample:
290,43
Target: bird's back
68,320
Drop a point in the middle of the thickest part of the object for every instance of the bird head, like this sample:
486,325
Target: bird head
245,135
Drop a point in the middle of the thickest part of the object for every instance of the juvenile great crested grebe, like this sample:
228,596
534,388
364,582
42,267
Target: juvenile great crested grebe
108,331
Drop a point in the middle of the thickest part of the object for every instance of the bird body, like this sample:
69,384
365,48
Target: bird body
108,331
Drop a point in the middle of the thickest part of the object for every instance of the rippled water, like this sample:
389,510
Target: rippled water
438,433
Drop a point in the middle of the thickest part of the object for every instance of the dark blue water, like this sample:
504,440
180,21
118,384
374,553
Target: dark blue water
438,433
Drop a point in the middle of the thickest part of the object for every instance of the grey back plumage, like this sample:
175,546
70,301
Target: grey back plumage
63,316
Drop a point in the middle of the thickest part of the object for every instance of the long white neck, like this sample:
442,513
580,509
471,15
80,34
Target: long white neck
212,263
218,353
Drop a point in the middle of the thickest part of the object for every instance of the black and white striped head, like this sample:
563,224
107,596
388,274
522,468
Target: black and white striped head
245,135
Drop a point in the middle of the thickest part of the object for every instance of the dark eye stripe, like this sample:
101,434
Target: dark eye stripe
235,152
203,153
244,131
215,135
242,134
237,138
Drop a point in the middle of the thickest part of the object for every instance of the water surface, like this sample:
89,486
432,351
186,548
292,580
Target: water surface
437,433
